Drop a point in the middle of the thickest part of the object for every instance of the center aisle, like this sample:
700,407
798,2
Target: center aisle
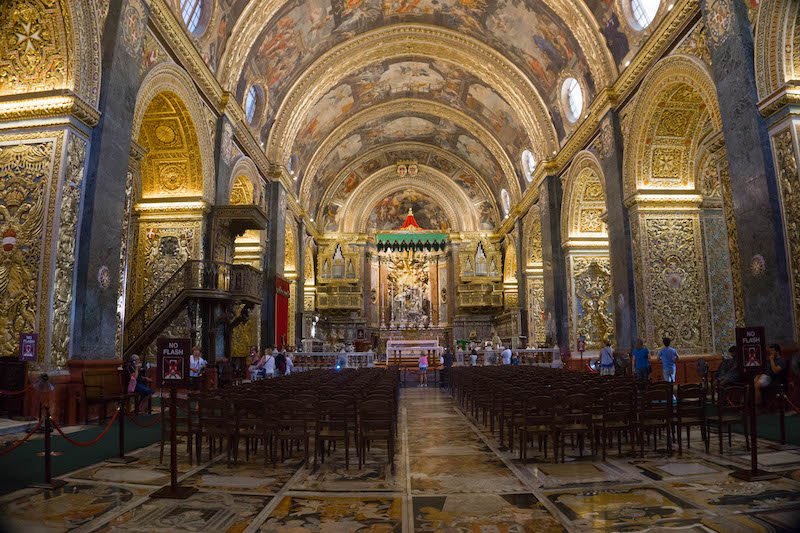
454,480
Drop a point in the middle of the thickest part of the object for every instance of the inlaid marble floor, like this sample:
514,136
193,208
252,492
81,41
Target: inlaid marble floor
451,475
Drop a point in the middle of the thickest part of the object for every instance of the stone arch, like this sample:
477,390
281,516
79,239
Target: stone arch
777,46
584,200
169,79
244,170
453,202
669,120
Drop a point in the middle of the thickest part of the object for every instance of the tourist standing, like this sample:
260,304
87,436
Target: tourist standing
269,363
641,359
607,360
289,363
460,356
423,369
506,355
668,356
473,357
197,366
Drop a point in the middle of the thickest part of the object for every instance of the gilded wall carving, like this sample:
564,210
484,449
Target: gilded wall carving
790,192
65,251
590,299
161,249
128,236
536,327
25,170
671,292
246,335
33,46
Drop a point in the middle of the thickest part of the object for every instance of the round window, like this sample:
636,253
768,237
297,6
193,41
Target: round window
506,201
251,102
643,12
528,164
192,12
572,96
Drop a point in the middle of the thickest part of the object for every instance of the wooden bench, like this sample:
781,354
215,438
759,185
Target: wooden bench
102,387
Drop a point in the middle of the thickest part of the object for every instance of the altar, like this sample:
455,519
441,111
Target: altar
404,352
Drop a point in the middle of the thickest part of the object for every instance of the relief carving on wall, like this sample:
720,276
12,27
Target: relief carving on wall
790,191
536,327
673,281
24,173
591,312
65,252
32,45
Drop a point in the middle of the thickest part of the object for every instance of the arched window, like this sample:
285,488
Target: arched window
572,96
250,104
644,11
505,199
528,164
191,11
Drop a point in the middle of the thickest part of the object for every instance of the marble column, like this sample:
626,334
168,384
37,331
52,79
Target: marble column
273,257
754,186
300,283
101,231
555,283
619,234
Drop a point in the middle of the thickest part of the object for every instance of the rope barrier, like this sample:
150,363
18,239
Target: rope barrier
791,404
153,423
93,441
22,441
12,393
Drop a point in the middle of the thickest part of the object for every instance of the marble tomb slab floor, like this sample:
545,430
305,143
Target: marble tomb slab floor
450,476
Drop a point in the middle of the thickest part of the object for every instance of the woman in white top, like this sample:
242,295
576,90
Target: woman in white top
269,363
196,367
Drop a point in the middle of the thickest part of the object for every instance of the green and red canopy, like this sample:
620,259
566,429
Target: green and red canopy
411,237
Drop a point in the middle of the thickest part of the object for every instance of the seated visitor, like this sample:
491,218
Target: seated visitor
728,371
268,366
775,372
668,357
641,360
137,382
607,360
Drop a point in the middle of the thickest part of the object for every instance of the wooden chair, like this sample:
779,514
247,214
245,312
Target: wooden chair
375,424
690,410
656,414
216,421
619,416
574,417
334,424
537,419
294,423
731,409
183,426
252,423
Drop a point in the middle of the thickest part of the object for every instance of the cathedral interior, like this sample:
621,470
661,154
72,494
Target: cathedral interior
366,182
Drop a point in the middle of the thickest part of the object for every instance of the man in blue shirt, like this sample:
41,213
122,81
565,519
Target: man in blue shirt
641,358
668,357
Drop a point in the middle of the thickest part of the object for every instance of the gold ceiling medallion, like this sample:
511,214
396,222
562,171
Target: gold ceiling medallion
408,168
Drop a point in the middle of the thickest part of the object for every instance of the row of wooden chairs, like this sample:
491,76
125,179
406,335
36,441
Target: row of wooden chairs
312,410
539,404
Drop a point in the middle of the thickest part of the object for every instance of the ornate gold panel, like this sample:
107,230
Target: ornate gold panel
590,299
786,157
33,46
65,251
670,279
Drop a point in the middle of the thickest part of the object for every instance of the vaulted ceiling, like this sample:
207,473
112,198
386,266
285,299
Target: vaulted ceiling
349,87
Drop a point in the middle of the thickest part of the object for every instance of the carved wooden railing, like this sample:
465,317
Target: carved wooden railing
195,278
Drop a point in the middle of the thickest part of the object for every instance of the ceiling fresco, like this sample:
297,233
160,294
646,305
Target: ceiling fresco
300,32
405,126
433,80
390,212
356,173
